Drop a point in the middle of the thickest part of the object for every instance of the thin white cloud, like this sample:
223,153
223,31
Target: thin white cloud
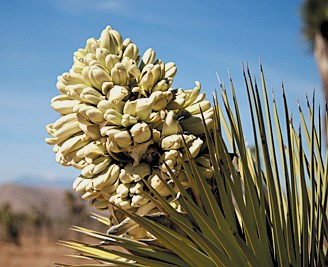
113,5
131,9
80,6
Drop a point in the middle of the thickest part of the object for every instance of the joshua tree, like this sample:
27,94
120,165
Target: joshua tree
159,160
9,222
76,208
41,221
315,17
267,212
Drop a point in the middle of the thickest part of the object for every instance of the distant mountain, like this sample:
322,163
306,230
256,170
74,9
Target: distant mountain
27,198
36,181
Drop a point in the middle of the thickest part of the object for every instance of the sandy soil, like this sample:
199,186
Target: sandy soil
43,253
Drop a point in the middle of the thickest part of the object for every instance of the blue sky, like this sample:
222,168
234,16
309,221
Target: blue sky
38,39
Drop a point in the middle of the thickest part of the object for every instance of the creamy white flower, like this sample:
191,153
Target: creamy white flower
122,124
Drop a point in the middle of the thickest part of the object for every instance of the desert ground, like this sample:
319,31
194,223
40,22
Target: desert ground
35,253
41,217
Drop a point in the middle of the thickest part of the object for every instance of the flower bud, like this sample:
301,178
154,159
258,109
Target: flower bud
110,61
134,173
119,74
128,120
113,117
197,108
156,135
73,143
117,94
136,188
90,129
155,119
95,115
191,95
140,132
92,45
107,177
195,147
108,190
131,66
63,104
97,76
170,70
98,204
79,55
91,95
162,85
93,149
160,100
176,103
171,125
125,203
123,190
150,75
126,42
101,54
170,158
157,184
139,108
131,51
139,200
74,90
103,105
122,139
171,142
148,58
90,59
72,78
111,40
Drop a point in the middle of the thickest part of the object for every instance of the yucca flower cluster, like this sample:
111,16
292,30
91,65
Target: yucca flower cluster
121,122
